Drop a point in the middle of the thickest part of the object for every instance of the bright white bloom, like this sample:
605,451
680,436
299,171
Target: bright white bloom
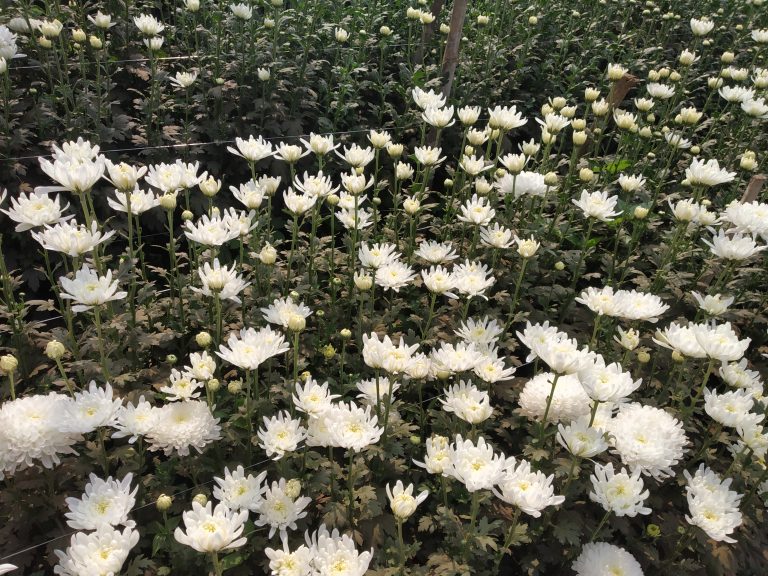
720,341
428,156
104,503
180,426
756,108
92,408
182,387
88,289
709,173
377,255
737,374
280,510
35,210
474,464
598,205
252,149
435,252
437,456
660,91
714,507
736,247
281,434
457,357
439,117
72,175
251,194
620,493
211,529
71,238
354,428
298,204
289,563
251,348
467,402
569,401
282,310
373,392
528,490
731,408
148,25
96,553
602,559
680,338
312,398
484,333
402,501
505,118
713,305
140,201
334,554
607,382
438,280
747,218
736,93
394,275
648,439
210,231
238,491
221,282
473,278
581,439
427,99
134,420
701,27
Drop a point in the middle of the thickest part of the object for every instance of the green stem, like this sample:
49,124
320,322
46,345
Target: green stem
599,526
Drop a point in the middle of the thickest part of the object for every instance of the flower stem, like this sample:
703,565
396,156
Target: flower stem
543,425
599,526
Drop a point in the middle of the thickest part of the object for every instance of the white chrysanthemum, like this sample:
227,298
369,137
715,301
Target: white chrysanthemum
467,402
88,289
737,374
602,301
734,247
720,341
648,439
134,420
455,358
602,559
474,464
250,347
747,218
71,238
634,305
354,428
219,281
282,310
211,529
97,553
713,305
731,408
402,501
490,368
250,194
477,211
528,490
562,355
437,456
289,563
483,333
92,408
394,275
438,280
34,210
104,503
252,149
681,339
140,200
597,205
709,173
497,236
620,493
202,365
714,507
72,174
569,401
473,279
238,491
581,439
312,398
180,426
210,231
377,255
534,334
281,434
182,386
35,428
279,510
334,554
436,252
607,382
374,391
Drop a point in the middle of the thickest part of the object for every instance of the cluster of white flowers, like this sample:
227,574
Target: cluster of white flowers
713,506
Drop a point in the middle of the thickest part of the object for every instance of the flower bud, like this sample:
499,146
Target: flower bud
201,499
411,206
559,266
187,215
293,488
171,359
748,162
168,201
444,28
532,20
78,35
653,530
394,150
363,282
677,357
550,179
385,31
448,183
328,352
44,42
643,357
297,323
482,20
586,175
483,187
213,384
264,74
727,57
268,255
55,350
269,23
579,138
163,502
695,150
8,364
579,124
234,386
203,339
